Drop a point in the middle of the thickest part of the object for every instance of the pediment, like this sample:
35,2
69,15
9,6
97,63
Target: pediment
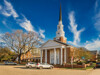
50,43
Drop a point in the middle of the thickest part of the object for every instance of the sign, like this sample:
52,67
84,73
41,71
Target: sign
83,57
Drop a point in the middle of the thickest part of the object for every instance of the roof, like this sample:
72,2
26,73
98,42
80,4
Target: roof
94,52
57,42
62,43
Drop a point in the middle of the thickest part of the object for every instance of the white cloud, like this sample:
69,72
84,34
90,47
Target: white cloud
6,25
73,28
41,33
4,22
96,4
97,21
0,7
0,35
1,40
99,36
26,24
97,15
8,10
94,45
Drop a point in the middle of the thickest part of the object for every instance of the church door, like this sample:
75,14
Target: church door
51,56
57,57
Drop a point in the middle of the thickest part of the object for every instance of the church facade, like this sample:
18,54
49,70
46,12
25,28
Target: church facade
57,51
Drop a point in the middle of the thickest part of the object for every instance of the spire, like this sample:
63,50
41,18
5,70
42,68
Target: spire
60,14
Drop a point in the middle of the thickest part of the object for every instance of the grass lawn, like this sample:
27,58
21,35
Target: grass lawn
77,68
81,68
89,67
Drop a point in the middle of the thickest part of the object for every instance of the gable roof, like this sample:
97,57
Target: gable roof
51,43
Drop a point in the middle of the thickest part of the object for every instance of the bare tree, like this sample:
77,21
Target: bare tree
21,42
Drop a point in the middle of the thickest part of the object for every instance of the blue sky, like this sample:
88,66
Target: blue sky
81,19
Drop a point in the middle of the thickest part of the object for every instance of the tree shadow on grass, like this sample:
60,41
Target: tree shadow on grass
30,68
24,68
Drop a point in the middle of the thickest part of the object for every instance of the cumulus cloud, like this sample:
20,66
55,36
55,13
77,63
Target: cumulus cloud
93,45
26,24
41,33
8,10
73,28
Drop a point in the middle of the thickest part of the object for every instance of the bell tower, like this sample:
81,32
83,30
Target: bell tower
60,34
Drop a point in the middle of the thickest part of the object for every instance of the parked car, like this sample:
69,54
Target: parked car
44,65
30,65
98,65
10,63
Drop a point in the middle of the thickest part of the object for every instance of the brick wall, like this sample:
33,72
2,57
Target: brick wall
48,56
43,59
62,39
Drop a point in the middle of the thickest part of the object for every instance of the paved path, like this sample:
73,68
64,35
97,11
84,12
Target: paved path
21,70
95,72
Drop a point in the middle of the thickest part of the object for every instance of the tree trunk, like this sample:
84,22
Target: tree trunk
19,61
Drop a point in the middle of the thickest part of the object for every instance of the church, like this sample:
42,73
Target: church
57,51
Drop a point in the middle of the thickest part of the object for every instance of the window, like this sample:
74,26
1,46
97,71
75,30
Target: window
59,27
58,33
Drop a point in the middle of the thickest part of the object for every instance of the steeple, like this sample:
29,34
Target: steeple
60,14
60,34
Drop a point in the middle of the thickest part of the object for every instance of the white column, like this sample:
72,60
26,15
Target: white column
65,55
41,55
61,57
45,55
54,56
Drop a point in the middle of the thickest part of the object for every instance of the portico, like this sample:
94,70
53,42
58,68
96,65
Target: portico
54,53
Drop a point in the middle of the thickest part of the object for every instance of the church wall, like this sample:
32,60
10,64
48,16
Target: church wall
59,56
68,55
69,52
43,59
62,39
48,56
63,55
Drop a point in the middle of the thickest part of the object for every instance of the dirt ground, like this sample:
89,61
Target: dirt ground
21,70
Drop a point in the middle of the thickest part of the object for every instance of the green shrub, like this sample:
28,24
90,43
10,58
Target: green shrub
79,63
